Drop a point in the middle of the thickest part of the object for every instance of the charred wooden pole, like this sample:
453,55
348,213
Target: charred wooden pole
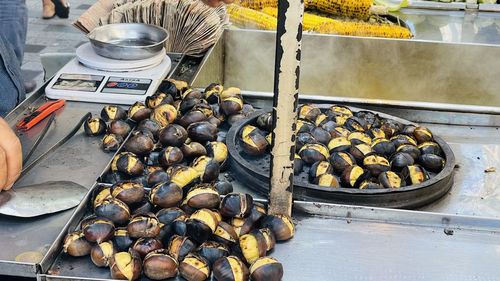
286,91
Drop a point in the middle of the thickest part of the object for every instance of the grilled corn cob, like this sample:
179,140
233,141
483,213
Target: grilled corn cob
310,21
359,9
246,17
257,4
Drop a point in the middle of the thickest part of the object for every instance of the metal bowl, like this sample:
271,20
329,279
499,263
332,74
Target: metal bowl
128,41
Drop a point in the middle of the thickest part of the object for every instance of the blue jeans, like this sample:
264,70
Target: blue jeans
13,24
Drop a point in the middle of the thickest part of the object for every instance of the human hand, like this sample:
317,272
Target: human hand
216,3
10,156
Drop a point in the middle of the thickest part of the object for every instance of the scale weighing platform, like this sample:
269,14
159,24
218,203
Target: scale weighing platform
93,78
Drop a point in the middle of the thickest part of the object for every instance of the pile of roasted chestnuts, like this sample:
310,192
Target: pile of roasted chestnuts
161,213
337,147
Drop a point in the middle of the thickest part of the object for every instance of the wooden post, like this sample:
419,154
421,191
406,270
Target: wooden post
286,91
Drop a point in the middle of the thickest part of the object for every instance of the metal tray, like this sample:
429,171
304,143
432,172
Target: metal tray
255,172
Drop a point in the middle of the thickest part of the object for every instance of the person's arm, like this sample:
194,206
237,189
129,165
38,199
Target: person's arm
10,156
215,3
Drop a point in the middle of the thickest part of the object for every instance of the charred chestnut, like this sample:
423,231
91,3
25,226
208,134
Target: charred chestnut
166,194
304,126
231,105
122,240
75,244
430,148
173,135
423,134
230,269
432,162
341,160
98,229
200,225
370,184
339,144
320,168
126,265
179,247
266,269
158,99
150,125
202,132
321,135
128,192
309,112
164,114
169,87
127,163
269,237
114,210
383,147
218,151
159,265
157,177
410,149
360,151
376,164
212,93
298,165
265,121
138,112
143,225
339,110
253,246
101,194
371,119
193,116
303,139
113,112
399,140
223,187
207,168
414,174
94,126
230,92
236,205
376,133
168,215
321,120
102,253
281,225
225,233
353,176
390,179
191,93
401,160
193,149
146,245
312,153
408,130
242,226
169,156
391,127
194,268
212,251
184,176
202,196
327,180
111,142
140,143
358,138
355,124
119,127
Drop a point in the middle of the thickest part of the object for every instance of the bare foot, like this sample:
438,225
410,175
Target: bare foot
49,10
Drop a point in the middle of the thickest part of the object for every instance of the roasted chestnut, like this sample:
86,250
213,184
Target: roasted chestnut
376,133
164,114
157,99
194,268
212,251
119,127
358,138
309,112
423,134
298,165
169,156
399,140
127,163
327,180
410,149
180,246
114,210
355,124
159,265
140,143
193,116
230,92
166,194
383,147
207,168
212,93
242,226
312,153
113,112
142,207
304,126
128,192
102,193
202,132
223,187
376,164
150,125
414,174
371,119
432,162
321,120
231,105
126,265
400,160
173,135
408,130
225,233
146,245
218,151
191,93
339,144
184,176
370,184
236,205
430,148
391,127
339,110
360,151
265,121
138,112
143,225
168,215
230,269
98,229
193,149
169,87
102,253
181,86
321,135
202,196
269,237
320,168
122,241
266,269
253,246
341,160
75,244
94,126
157,177
303,139
200,225
353,176
390,179
281,225
111,142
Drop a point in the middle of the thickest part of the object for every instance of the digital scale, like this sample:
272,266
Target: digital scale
93,78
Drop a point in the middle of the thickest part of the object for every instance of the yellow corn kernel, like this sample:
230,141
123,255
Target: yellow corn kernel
364,29
257,4
246,17
359,9
310,21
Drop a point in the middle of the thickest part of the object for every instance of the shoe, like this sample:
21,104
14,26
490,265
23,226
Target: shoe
48,12
62,10
29,86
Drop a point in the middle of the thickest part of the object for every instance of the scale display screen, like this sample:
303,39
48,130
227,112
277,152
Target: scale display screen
129,86
78,82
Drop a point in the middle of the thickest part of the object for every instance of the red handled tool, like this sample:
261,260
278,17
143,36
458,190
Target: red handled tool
39,114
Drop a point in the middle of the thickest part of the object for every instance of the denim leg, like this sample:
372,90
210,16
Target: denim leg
11,83
14,24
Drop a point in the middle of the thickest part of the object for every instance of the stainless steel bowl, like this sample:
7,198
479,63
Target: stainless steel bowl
128,41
